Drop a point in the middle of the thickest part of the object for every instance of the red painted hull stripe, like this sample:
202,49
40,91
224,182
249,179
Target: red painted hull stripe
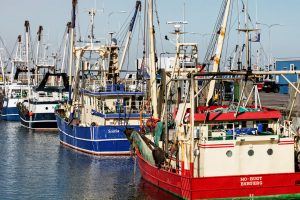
215,144
207,147
286,143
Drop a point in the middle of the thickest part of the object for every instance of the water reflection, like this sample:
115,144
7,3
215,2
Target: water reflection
34,165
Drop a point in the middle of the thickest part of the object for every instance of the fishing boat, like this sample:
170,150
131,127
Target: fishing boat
18,87
197,151
37,110
218,155
14,93
101,104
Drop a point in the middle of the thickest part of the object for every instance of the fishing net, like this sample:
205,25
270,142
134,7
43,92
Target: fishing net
157,133
142,147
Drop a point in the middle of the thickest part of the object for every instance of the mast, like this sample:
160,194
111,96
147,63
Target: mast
129,35
39,34
177,32
2,71
27,52
217,57
233,58
248,67
74,4
92,13
19,49
62,69
153,84
192,121
18,55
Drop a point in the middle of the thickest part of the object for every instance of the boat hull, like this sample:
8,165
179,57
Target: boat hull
96,140
42,121
10,114
257,185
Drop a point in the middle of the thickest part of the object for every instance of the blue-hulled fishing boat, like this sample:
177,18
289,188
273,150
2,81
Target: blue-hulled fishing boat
101,104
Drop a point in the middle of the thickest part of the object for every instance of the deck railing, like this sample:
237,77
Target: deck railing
108,86
229,131
119,108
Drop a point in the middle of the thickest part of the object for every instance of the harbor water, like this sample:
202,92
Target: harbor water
34,165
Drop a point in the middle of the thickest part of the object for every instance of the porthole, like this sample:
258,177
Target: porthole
270,152
250,152
46,108
229,153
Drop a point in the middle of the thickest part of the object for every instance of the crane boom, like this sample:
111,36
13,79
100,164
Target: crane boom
129,35
217,57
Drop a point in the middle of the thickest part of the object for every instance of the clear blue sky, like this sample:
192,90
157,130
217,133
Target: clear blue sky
201,15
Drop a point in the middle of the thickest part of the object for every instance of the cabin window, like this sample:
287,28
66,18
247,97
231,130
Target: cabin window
249,124
49,94
229,126
244,124
217,127
270,152
250,152
264,125
229,153
24,93
292,67
126,101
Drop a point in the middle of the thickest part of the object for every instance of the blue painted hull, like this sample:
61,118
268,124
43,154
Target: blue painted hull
97,140
10,114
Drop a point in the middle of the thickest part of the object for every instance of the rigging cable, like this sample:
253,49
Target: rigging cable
158,24
139,35
228,35
78,26
13,50
5,48
121,34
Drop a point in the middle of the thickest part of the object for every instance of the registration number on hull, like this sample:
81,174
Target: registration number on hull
251,181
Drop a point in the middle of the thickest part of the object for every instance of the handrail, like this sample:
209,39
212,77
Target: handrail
120,108
108,86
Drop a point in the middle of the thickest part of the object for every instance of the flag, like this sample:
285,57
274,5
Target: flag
256,38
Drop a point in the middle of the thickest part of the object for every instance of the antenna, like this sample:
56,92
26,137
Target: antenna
177,28
92,13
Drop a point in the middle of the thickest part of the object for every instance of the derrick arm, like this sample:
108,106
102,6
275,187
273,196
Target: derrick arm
129,35
217,56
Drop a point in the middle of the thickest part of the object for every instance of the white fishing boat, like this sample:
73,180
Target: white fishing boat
37,111
18,87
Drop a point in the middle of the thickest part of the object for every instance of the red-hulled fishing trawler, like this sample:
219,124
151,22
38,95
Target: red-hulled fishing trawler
215,151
